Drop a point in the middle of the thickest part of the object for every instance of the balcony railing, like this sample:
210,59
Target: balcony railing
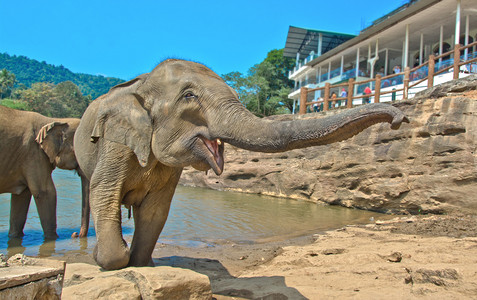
408,79
302,63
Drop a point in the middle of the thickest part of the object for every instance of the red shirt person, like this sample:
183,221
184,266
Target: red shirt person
367,91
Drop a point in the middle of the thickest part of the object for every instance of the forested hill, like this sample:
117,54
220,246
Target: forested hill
28,71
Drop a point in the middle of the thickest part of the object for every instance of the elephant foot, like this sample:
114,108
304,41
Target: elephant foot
111,259
83,232
136,263
15,234
51,236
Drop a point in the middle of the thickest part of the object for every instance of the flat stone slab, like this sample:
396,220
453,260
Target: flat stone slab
20,269
26,277
18,275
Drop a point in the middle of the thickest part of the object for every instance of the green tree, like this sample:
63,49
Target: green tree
39,97
7,81
69,101
264,91
61,101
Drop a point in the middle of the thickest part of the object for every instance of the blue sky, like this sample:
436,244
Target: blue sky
127,38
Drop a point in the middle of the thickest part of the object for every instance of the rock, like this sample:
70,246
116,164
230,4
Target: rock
103,288
427,166
443,277
31,278
394,257
333,251
454,86
3,261
83,281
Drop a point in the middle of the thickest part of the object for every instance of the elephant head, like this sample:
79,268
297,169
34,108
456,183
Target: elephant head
183,113
56,140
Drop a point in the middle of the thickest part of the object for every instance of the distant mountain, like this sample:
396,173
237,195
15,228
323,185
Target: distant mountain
28,71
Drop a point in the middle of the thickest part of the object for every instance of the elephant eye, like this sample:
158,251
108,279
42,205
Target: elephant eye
190,96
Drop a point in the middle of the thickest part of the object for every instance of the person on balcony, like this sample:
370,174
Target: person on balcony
333,100
367,91
315,106
343,94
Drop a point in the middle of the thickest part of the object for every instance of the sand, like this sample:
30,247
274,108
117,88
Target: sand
418,257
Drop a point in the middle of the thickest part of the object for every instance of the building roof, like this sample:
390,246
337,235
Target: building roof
303,41
425,17
390,14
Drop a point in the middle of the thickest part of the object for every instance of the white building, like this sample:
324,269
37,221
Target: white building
404,37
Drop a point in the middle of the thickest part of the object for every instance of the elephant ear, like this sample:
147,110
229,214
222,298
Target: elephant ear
50,138
122,119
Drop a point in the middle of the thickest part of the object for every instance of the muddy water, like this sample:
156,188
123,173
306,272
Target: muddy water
198,217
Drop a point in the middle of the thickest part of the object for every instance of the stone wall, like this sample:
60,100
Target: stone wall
427,166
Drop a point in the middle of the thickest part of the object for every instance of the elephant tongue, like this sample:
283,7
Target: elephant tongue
216,147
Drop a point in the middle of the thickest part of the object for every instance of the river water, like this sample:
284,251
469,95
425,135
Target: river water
198,217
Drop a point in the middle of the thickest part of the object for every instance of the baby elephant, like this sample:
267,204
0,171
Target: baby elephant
31,147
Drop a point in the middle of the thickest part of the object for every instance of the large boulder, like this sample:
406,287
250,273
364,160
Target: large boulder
427,166
84,281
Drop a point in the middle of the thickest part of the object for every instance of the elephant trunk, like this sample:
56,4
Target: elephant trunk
246,131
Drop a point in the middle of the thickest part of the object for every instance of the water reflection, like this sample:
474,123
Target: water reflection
15,246
197,217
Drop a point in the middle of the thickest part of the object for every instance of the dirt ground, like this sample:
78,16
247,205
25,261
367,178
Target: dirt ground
418,257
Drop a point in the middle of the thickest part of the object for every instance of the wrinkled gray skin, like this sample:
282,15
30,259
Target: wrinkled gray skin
133,142
31,147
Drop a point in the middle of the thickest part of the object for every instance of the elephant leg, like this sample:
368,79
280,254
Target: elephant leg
149,220
18,213
111,251
85,210
45,200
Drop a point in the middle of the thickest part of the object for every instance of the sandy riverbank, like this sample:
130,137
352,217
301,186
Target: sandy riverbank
407,257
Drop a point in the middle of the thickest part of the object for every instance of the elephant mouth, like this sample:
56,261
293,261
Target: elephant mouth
216,157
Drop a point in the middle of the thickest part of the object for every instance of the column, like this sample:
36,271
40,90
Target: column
427,50
357,63
386,61
297,58
320,44
402,54
342,65
421,49
368,68
329,70
406,48
466,39
457,23
375,58
319,75
441,41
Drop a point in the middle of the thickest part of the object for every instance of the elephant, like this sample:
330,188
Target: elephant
133,143
32,147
